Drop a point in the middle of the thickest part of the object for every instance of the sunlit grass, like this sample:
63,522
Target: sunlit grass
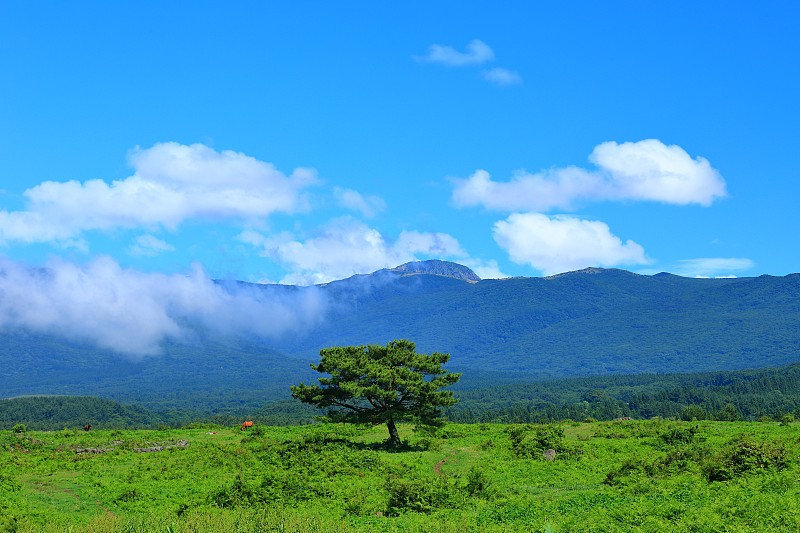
610,476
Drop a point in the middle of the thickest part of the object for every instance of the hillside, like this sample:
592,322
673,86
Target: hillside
590,322
581,323
653,475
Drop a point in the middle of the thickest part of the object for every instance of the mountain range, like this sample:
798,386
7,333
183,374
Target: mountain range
583,323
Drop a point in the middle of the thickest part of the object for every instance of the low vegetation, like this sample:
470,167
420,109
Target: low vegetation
763,394
626,475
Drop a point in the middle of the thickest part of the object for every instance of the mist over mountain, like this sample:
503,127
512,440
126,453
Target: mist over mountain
242,342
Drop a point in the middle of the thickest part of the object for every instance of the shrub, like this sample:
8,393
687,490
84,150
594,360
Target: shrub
478,483
417,493
745,455
128,496
690,413
19,428
729,413
676,435
531,441
237,495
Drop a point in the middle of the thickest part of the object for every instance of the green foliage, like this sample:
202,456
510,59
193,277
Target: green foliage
478,483
19,428
57,412
741,395
381,385
409,491
729,413
532,441
237,494
690,413
744,455
679,435
653,475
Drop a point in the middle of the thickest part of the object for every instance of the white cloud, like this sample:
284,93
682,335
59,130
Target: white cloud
477,52
645,170
171,183
132,312
149,245
713,267
502,76
651,170
369,206
561,243
345,247
485,269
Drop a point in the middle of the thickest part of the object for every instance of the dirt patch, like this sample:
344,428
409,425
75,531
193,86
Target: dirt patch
437,469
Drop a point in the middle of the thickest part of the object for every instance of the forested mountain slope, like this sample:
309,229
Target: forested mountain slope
590,322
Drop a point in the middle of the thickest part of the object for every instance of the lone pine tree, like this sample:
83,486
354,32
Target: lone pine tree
381,384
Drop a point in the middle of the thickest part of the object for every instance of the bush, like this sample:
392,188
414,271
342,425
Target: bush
237,495
478,483
729,413
676,435
690,413
531,441
745,455
417,493
19,428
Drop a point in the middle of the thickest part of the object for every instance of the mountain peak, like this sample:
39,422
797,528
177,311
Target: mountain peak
437,268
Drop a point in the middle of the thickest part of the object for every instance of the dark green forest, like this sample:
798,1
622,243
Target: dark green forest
765,394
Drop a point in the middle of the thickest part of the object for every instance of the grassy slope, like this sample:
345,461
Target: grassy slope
332,477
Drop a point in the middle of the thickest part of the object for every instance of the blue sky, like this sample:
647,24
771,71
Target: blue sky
308,141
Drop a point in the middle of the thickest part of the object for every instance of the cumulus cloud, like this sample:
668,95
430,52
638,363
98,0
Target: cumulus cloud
713,267
485,269
345,247
477,52
562,243
171,183
369,206
132,312
646,170
502,76
149,245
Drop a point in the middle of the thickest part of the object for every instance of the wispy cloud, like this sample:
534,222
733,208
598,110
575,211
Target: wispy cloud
502,76
562,243
149,245
713,267
477,52
369,206
646,170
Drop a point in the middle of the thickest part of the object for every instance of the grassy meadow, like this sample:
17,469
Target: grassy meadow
654,475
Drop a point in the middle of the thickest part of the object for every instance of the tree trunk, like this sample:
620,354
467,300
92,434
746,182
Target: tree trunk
394,438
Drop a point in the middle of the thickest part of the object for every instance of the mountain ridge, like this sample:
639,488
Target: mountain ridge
584,323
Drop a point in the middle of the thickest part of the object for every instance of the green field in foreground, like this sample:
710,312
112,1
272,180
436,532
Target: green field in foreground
655,475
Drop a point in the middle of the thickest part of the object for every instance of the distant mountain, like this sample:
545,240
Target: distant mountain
590,322
437,268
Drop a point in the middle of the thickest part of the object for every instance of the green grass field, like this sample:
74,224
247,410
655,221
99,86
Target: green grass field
654,475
